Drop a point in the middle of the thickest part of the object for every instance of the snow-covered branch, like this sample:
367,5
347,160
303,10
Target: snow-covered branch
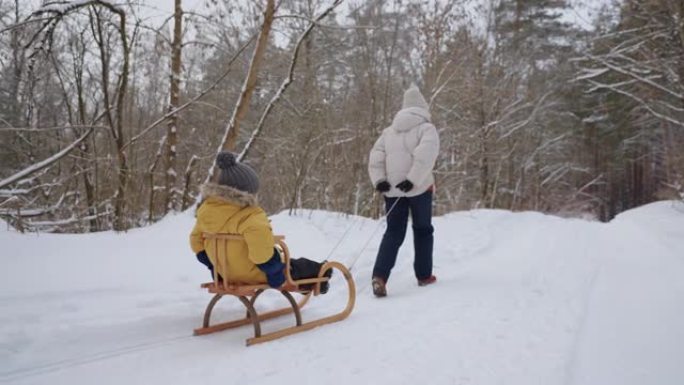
639,100
35,212
64,7
67,221
636,76
57,128
242,106
44,163
194,100
288,80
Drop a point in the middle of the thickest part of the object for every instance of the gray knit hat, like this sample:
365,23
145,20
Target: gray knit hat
413,98
236,175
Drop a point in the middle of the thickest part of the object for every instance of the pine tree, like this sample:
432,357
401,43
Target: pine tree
533,29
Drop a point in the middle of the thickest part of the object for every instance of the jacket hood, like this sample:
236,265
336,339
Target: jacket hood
228,194
409,118
413,98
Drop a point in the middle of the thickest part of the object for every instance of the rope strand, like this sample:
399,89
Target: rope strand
382,221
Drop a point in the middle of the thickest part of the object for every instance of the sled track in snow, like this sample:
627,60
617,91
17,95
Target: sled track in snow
573,357
78,361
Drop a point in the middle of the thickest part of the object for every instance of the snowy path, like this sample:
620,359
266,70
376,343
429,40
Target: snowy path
521,299
635,330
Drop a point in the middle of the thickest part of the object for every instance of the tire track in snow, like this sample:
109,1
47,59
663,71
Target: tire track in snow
571,365
633,318
22,373
543,267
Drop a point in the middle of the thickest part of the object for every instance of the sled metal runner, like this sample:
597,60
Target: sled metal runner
248,295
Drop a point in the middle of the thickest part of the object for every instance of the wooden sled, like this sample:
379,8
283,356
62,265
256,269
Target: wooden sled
248,294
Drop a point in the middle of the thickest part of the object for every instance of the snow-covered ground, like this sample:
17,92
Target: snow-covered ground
522,298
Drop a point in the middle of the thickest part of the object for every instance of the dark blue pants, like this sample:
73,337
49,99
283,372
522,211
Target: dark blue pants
420,208
204,259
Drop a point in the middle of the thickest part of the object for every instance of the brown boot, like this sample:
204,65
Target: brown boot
379,288
427,281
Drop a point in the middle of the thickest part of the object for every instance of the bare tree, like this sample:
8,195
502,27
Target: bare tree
233,128
174,102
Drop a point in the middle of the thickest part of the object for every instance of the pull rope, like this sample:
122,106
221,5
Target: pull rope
356,258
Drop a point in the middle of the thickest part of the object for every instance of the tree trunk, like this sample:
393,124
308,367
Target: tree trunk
85,152
170,174
186,185
150,181
242,106
116,120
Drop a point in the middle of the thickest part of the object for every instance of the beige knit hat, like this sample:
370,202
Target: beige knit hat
413,98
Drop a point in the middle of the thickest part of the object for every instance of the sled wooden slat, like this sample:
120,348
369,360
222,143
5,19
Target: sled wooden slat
322,321
248,294
235,237
246,320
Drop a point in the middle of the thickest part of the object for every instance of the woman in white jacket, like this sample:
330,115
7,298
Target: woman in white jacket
400,167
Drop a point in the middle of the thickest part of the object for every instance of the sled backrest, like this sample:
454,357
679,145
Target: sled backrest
217,245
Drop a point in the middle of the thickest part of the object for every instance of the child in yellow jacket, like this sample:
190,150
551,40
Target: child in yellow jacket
230,206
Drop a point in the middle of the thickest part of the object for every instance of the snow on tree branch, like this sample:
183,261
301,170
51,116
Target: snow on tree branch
56,224
639,100
64,7
590,73
194,100
45,163
288,79
632,73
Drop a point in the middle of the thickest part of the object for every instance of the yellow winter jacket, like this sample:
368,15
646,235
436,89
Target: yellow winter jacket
228,210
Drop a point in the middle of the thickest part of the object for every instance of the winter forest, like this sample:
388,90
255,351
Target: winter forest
110,119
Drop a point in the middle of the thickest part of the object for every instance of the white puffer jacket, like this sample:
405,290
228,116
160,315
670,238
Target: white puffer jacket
406,150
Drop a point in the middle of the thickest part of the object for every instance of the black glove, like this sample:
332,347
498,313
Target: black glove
383,186
405,186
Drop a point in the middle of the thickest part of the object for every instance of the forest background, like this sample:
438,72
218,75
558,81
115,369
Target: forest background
110,118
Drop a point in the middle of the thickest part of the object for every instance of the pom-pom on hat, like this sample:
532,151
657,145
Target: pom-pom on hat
236,175
413,98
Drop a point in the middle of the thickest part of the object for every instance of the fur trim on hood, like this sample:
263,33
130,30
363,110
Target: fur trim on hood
228,194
